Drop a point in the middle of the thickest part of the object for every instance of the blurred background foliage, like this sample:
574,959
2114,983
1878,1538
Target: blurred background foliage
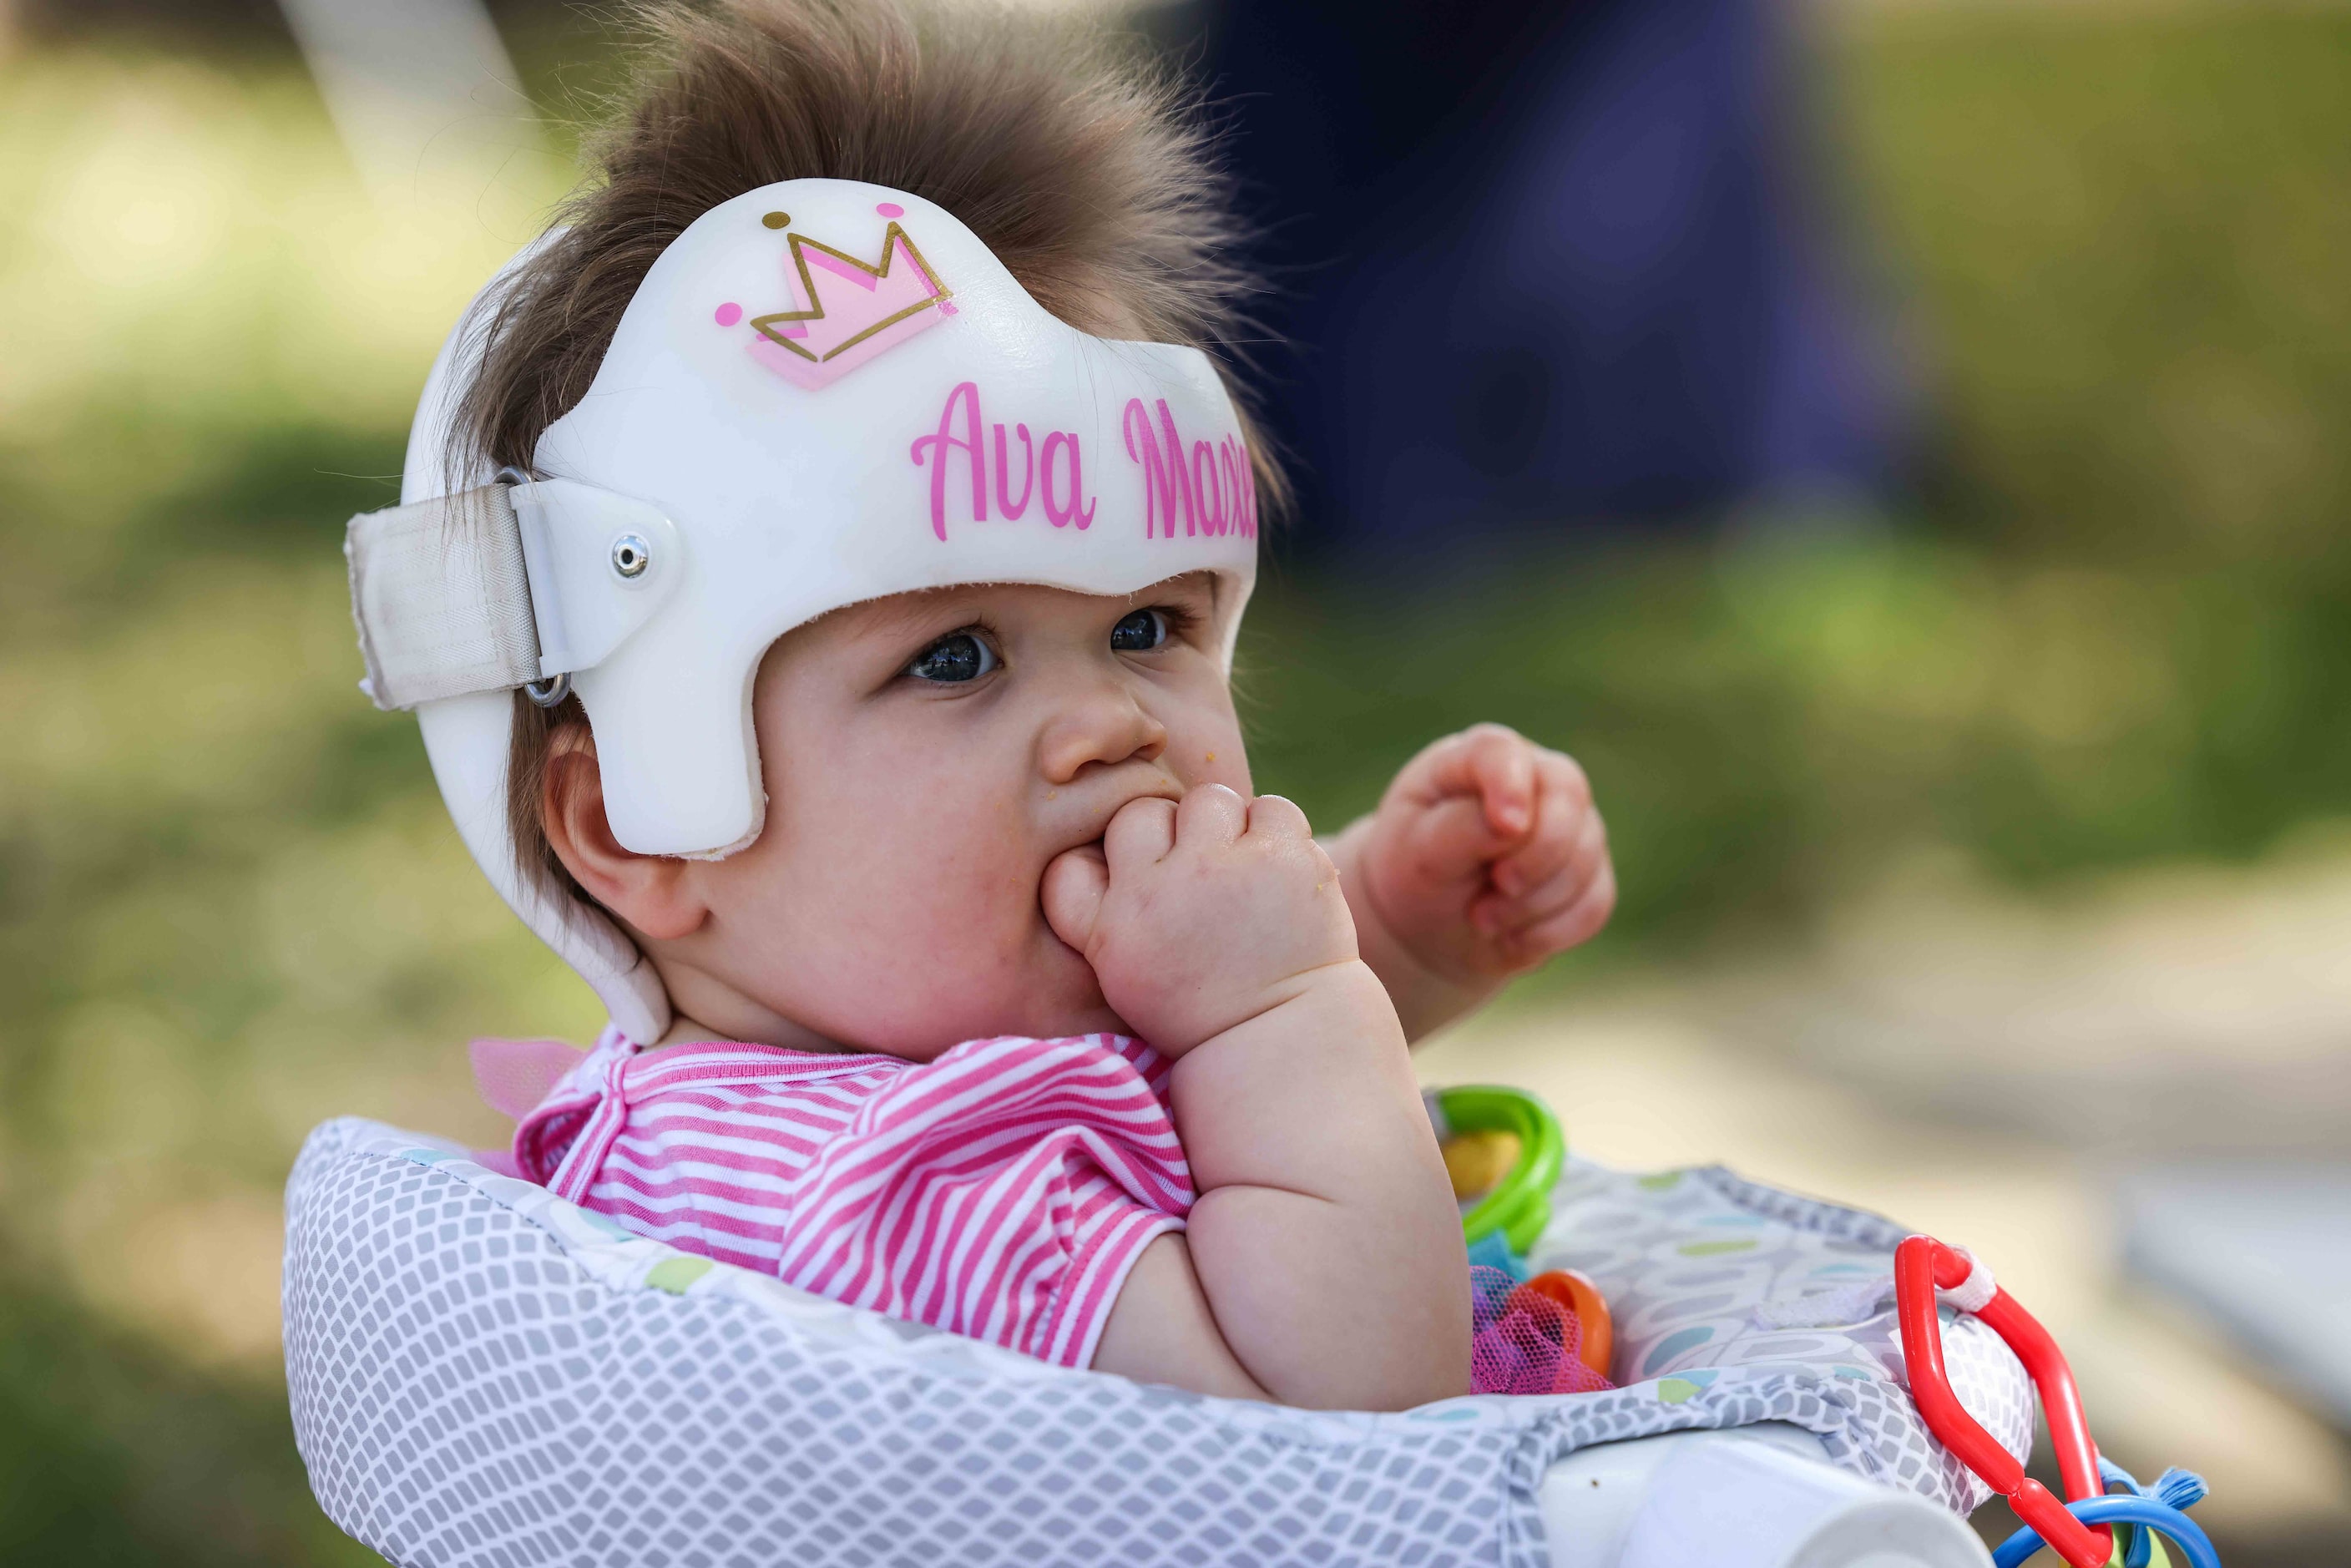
2106,627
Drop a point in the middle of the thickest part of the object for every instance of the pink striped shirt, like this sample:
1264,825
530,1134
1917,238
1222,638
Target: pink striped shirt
1001,1191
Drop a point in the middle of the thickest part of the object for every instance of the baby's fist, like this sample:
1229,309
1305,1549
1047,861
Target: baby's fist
1486,857
1201,914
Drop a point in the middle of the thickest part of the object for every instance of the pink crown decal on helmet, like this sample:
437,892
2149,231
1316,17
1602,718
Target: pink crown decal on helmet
844,310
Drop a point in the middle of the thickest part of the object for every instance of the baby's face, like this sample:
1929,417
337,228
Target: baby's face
926,758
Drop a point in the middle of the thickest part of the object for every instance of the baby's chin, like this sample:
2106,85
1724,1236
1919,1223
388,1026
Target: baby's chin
1063,997
1043,993
1040,988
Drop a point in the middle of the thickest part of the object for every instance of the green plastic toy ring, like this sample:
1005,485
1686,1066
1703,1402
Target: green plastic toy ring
1520,1205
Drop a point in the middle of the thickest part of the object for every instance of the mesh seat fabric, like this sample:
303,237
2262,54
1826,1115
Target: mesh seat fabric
483,1375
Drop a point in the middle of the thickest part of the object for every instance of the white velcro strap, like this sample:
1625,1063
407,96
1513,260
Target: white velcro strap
1858,1302
442,598
1975,1293
1853,1303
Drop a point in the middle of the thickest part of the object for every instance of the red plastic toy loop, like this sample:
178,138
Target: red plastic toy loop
1921,1264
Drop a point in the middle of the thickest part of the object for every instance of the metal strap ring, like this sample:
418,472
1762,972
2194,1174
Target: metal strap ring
552,691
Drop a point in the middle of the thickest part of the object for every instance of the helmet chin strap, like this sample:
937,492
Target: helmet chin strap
517,584
469,736
512,586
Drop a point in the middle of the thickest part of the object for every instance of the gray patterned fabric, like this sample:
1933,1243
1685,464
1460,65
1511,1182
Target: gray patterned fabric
483,1375
1683,1258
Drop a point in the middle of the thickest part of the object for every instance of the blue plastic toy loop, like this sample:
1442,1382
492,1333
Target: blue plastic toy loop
2163,1520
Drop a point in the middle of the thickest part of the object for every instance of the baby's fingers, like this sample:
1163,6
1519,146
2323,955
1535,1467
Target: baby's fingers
1574,868
1280,816
1141,834
1211,814
1490,762
1074,885
1578,923
1449,842
1566,829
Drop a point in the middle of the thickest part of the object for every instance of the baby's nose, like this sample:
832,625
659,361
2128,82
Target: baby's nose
1103,726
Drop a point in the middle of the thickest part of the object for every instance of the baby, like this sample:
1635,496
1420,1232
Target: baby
973,983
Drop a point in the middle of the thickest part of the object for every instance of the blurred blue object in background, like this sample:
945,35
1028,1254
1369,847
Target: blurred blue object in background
2263,1248
1542,263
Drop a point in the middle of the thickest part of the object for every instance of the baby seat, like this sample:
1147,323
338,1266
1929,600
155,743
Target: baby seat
484,1373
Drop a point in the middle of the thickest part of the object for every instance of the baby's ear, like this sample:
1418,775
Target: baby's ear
652,894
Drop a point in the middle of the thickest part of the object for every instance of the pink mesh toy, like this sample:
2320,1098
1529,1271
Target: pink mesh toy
1524,1341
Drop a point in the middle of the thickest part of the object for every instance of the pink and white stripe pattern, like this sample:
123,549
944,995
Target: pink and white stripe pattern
1001,1191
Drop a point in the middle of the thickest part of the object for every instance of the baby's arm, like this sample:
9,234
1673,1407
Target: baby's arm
1323,1264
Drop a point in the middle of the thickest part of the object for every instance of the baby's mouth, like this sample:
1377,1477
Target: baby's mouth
1158,788
1095,824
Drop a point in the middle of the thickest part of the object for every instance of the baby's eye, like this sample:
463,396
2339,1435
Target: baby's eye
1139,632
956,657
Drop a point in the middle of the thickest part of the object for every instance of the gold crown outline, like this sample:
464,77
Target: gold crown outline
892,237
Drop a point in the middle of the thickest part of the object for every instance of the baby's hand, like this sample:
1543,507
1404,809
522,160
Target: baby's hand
1200,916
1486,857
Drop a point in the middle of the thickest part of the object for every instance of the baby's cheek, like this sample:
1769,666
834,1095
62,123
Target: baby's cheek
1213,754
968,956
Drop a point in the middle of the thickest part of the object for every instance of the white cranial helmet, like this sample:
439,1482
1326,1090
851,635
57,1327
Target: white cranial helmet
823,393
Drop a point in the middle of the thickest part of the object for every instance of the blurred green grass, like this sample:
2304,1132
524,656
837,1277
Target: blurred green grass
2110,627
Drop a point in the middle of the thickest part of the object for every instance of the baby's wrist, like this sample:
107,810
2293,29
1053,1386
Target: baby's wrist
1349,986
1426,996
1346,993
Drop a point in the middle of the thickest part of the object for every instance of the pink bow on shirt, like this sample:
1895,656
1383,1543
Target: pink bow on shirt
514,1076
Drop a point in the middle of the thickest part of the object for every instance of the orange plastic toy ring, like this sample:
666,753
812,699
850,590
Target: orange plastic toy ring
1579,1296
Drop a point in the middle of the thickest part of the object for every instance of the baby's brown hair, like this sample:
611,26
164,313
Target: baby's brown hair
1082,163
